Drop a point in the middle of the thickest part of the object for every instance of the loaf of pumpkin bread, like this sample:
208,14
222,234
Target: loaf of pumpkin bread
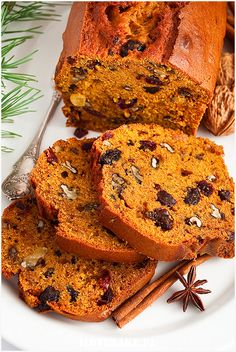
168,194
54,280
148,62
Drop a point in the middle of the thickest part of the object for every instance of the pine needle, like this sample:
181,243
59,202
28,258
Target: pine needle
6,149
9,134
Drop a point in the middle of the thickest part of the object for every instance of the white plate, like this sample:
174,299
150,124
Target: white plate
162,327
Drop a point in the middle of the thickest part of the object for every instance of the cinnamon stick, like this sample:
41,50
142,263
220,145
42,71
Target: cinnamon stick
146,296
230,20
230,31
231,6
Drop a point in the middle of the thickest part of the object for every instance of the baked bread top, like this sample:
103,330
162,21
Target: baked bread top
51,279
186,35
169,195
64,191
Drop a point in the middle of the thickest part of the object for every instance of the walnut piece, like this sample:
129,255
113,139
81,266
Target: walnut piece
167,146
32,260
71,194
194,220
215,212
68,166
219,117
136,173
226,72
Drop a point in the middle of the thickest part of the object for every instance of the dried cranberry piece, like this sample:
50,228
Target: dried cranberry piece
161,217
157,186
64,174
123,105
50,294
73,293
80,132
13,253
166,198
154,80
231,236
20,205
49,272
104,280
107,135
205,187
93,112
193,196
224,194
147,145
185,92
109,156
106,297
87,146
131,45
72,87
151,90
93,63
71,60
51,156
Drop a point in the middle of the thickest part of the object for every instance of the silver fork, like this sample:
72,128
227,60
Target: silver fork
17,183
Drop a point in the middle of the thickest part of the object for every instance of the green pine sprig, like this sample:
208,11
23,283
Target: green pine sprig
17,101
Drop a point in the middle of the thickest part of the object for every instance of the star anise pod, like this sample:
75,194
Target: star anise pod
191,291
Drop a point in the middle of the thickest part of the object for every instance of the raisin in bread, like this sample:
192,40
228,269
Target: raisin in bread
63,188
168,194
149,62
53,280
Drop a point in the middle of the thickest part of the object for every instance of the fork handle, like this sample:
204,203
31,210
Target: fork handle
17,183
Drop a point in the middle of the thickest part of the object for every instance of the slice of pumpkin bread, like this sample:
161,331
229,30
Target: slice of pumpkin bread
53,280
64,191
169,195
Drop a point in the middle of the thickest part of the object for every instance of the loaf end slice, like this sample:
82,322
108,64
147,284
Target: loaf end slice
51,279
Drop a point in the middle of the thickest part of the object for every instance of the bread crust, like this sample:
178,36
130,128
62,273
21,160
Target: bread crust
89,252
32,301
144,244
